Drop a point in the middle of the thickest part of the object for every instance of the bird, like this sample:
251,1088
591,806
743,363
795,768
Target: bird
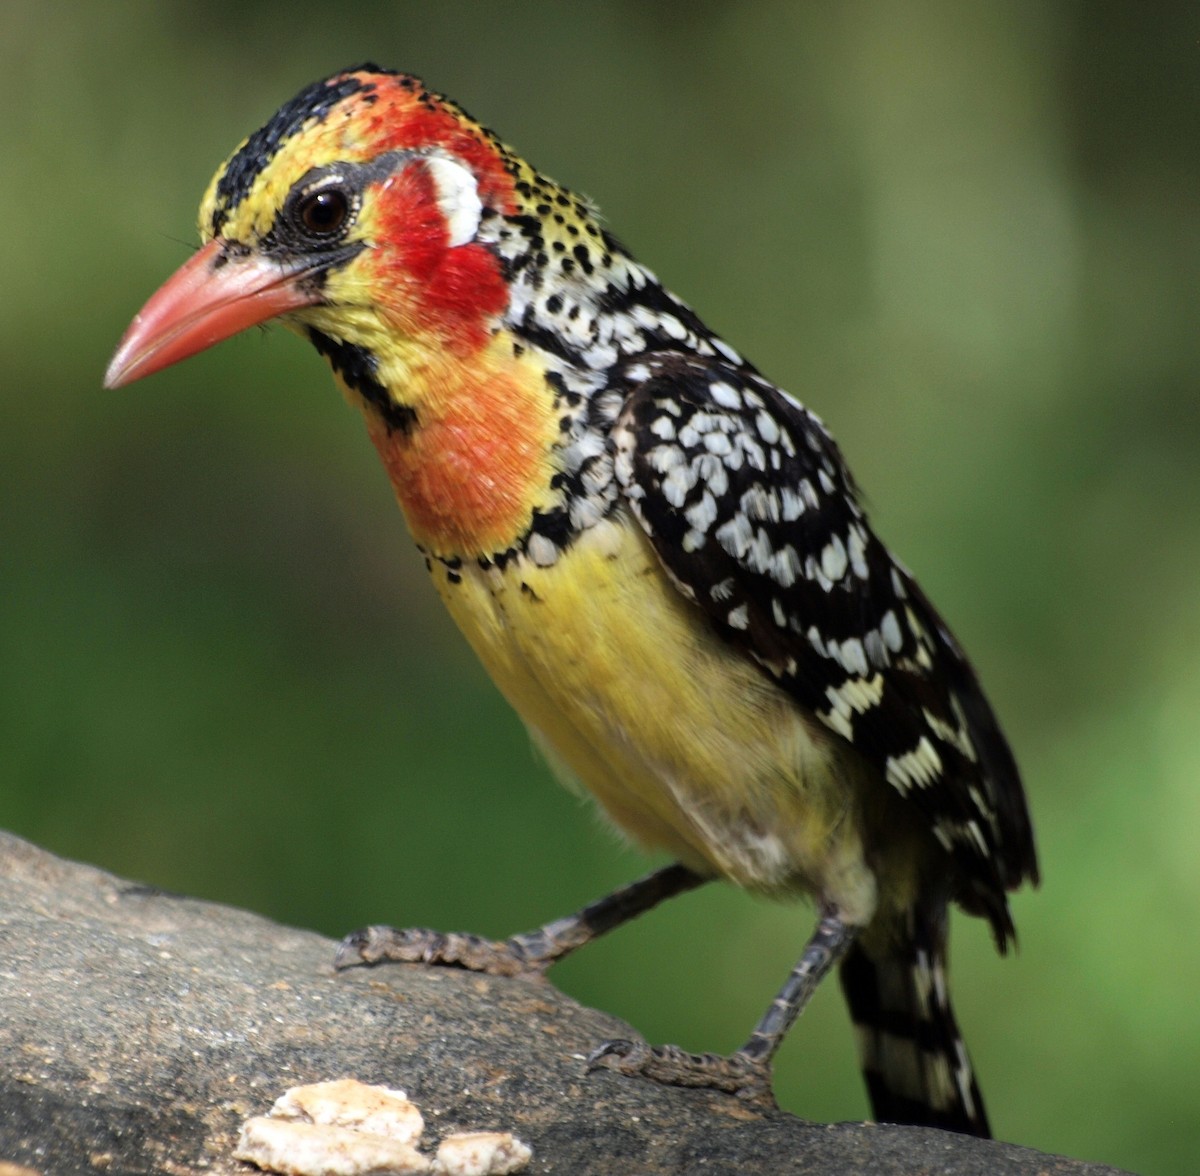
660,557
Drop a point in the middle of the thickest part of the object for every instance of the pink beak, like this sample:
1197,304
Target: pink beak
211,297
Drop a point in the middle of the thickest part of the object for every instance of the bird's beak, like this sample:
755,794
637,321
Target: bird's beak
214,295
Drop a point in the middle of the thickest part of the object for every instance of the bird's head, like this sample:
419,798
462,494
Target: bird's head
353,215
381,221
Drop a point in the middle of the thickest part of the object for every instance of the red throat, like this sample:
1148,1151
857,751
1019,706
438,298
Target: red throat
477,463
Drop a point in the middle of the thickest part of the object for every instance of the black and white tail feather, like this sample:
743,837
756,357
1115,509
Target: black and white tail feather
913,1057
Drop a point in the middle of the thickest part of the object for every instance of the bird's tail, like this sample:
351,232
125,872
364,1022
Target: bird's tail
912,1054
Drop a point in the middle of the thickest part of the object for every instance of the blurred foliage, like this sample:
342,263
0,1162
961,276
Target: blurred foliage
967,235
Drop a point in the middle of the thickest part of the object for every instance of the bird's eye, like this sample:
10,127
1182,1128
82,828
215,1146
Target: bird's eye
324,213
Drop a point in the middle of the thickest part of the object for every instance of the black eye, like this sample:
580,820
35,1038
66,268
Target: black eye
324,213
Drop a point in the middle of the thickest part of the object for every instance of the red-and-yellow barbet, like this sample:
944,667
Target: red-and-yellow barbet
659,556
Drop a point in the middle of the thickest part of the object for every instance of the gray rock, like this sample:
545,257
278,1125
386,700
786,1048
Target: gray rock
140,1029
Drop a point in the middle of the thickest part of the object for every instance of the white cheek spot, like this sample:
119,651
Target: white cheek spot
458,198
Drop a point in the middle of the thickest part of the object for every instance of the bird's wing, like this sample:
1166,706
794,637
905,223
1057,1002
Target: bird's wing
752,511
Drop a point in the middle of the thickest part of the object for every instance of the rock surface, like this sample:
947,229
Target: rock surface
139,1030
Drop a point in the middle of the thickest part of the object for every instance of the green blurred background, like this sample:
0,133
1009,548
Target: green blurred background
967,235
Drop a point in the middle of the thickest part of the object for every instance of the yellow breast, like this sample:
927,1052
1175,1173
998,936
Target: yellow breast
687,744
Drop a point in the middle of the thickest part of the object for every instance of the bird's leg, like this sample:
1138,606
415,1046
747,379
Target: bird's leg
531,952
746,1072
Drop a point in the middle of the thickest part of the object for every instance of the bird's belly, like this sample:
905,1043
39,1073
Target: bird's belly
686,743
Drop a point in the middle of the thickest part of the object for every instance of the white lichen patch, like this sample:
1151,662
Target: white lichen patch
347,1128
375,1110
312,1149
481,1153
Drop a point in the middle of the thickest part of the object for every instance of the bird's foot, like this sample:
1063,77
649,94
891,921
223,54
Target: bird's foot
736,1074
419,945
